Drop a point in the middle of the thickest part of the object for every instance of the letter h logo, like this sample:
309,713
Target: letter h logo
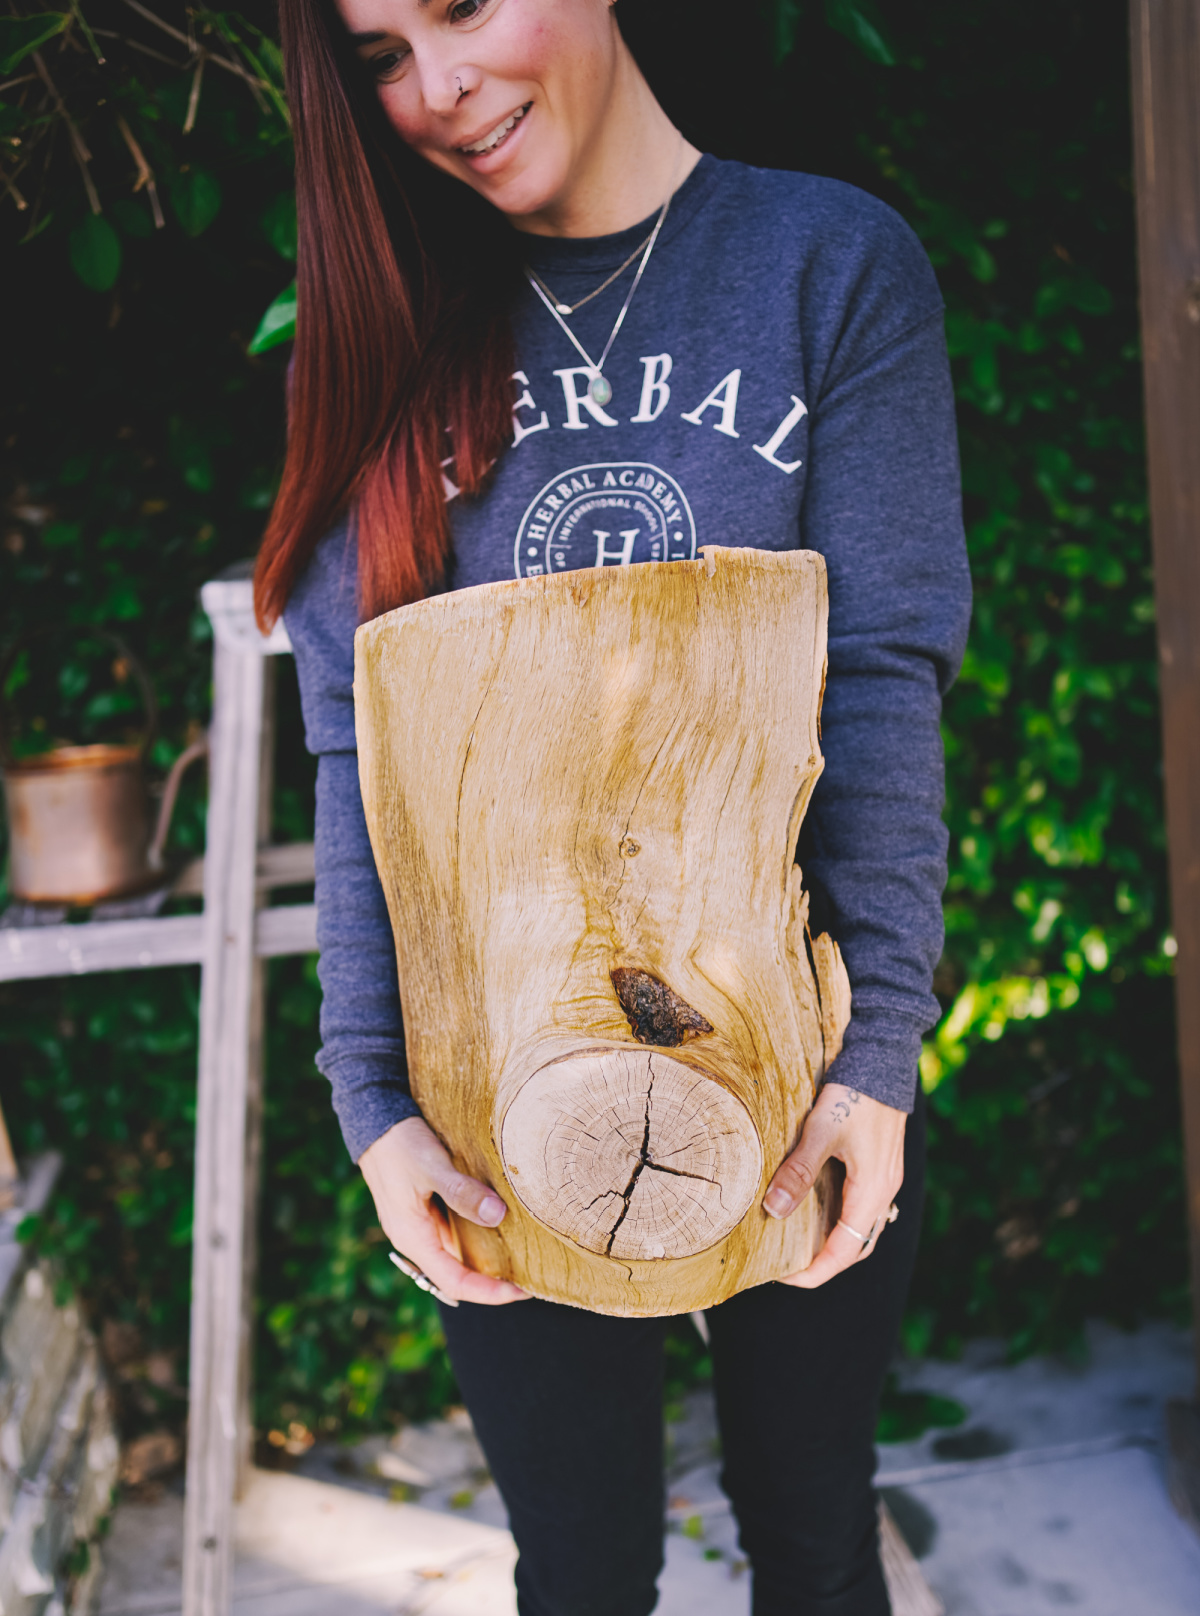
622,557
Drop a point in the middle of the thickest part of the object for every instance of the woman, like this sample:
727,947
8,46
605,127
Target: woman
519,283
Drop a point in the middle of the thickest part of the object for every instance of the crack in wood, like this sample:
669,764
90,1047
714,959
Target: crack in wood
642,1161
678,1172
645,1160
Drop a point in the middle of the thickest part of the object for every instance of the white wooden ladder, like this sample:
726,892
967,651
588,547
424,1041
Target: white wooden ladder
229,940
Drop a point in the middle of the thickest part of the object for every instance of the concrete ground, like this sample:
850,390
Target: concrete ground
1049,1498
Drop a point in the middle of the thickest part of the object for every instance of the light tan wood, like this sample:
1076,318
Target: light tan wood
909,1593
631,1154
290,864
228,1096
8,1167
121,945
584,794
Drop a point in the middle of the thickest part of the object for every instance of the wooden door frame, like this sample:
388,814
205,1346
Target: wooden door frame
1165,63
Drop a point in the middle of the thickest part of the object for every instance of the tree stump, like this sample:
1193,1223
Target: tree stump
583,793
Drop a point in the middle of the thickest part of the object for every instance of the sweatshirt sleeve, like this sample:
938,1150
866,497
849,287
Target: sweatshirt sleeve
362,1031
883,504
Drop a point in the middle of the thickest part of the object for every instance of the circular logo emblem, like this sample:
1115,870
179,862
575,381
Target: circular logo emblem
608,515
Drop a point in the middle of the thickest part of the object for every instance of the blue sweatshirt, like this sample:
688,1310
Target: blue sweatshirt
780,381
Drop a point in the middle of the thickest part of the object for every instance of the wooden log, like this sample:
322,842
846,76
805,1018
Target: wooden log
584,794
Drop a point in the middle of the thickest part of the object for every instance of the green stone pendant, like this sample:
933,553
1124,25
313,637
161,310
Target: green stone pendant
599,389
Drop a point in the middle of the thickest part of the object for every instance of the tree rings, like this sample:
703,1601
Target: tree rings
631,1154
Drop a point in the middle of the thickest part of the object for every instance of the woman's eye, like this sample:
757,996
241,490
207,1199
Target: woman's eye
387,64
467,10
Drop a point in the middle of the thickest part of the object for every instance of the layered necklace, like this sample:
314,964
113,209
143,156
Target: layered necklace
599,387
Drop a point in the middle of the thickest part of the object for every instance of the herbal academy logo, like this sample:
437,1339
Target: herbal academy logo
606,515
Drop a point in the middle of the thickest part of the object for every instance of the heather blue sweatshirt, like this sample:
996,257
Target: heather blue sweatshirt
780,381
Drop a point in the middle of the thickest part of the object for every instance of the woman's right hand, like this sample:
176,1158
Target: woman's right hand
404,1169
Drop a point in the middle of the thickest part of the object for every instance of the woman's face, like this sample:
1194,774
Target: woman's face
507,95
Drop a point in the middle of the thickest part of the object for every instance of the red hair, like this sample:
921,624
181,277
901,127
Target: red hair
403,356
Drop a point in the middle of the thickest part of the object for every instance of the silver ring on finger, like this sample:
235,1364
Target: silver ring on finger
420,1280
864,1240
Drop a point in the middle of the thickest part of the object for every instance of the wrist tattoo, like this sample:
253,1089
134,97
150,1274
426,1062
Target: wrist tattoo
841,1109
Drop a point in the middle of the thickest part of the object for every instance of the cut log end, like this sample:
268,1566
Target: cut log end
631,1154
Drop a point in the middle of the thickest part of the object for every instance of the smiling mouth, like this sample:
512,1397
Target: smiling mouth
498,135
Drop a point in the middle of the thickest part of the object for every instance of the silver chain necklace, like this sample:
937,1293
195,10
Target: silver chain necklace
573,308
599,387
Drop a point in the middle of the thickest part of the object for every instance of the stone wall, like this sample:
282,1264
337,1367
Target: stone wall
58,1444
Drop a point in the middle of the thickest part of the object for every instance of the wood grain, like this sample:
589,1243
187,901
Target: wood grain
228,1094
119,945
631,1154
9,1183
595,781
1165,60
908,1591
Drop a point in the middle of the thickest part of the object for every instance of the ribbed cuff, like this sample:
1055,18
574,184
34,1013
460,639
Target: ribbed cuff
879,1058
375,1110
369,1096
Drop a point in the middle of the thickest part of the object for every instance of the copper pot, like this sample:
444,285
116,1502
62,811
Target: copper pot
79,816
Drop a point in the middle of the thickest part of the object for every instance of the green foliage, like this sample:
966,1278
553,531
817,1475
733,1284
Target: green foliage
346,1340
196,198
861,23
96,253
278,324
279,224
141,443
858,20
1052,1074
905,1416
21,36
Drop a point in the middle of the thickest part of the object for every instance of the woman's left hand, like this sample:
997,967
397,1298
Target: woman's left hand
868,1137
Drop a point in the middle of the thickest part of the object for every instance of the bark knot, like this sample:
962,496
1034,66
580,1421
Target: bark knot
655,1012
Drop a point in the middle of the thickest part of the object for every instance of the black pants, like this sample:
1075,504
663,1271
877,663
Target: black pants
568,1408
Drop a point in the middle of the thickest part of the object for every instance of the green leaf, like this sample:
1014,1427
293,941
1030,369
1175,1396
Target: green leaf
279,225
96,252
785,25
196,198
21,36
904,1416
861,24
278,324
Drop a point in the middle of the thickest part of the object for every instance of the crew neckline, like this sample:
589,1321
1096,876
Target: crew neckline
589,253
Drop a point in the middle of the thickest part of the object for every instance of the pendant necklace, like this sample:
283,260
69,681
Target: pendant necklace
599,387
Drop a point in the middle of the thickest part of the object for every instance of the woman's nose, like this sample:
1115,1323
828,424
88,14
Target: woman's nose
446,82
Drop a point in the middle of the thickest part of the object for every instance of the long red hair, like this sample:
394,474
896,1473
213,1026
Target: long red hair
403,356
